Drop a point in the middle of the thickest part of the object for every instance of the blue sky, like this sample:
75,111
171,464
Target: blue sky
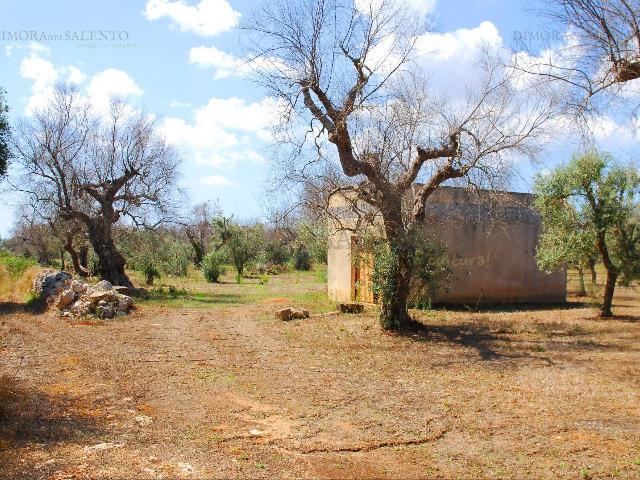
179,60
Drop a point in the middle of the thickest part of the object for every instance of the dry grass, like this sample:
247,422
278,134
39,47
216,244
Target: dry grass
179,390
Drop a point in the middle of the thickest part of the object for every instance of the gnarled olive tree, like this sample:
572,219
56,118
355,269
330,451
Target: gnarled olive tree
359,116
95,169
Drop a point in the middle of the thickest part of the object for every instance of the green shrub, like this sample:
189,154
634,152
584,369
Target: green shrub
150,273
177,259
16,264
212,267
302,259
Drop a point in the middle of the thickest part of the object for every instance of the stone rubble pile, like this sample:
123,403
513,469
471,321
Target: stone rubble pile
76,297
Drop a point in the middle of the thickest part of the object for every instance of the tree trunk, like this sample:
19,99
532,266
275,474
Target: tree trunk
84,258
592,269
110,262
394,313
612,275
609,288
198,254
582,291
75,259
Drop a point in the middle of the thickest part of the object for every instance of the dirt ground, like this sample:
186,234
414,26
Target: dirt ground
210,385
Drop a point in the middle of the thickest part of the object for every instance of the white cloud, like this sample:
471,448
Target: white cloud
227,65
108,84
102,87
224,132
74,75
179,104
422,6
207,18
217,181
40,70
460,45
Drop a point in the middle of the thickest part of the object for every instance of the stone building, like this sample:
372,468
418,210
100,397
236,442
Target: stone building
491,244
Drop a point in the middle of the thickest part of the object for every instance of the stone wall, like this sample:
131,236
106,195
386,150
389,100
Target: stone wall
490,238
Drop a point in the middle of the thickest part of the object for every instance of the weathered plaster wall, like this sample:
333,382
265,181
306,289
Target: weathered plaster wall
490,239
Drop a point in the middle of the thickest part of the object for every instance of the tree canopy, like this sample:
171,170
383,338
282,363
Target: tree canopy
591,200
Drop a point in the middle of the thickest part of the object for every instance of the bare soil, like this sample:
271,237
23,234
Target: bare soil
180,391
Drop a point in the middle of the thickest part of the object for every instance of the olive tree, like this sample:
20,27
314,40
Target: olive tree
599,199
565,239
95,169
358,116
244,243
200,229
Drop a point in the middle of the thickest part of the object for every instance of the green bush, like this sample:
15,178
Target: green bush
16,264
177,259
302,259
212,267
150,273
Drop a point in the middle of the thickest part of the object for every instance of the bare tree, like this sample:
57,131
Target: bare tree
34,239
96,170
600,59
371,125
200,229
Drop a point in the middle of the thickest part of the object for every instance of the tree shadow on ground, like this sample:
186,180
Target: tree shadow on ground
29,419
512,307
33,307
503,343
30,416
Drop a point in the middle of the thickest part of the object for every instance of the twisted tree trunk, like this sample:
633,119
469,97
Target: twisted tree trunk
394,313
75,258
110,263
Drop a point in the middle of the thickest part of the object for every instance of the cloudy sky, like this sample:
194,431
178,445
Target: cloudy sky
181,61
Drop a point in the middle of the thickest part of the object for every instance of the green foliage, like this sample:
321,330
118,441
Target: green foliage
244,245
420,253
431,270
4,134
212,266
302,259
16,264
591,201
150,273
385,271
313,237
276,253
176,258
590,196
155,253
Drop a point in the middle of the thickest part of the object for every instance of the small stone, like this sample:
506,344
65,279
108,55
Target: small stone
143,420
124,303
122,290
81,307
186,468
255,432
103,286
351,308
66,298
107,296
102,446
290,313
78,287
284,314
